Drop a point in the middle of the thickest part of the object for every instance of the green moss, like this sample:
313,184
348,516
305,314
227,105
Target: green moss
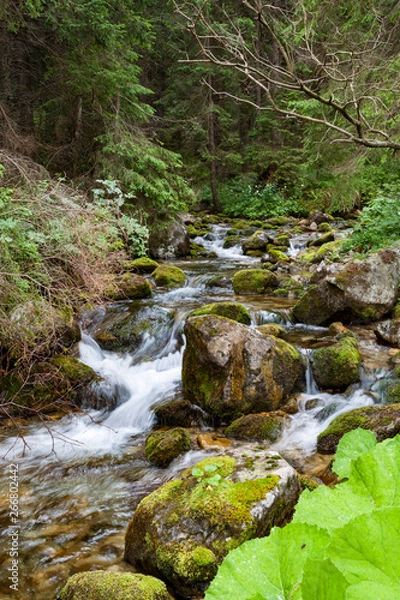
254,281
276,256
129,286
337,366
163,446
229,310
143,265
255,427
169,276
101,585
272,329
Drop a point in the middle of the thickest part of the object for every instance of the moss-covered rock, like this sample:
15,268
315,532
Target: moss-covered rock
163,446
183,530
383,420
320,240
230,310
128,286
254,281
256,242
144,265
262,426
102,585
169,276
277,256
230,369
274,329
337,366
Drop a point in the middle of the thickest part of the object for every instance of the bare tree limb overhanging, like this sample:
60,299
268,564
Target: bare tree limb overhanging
309,64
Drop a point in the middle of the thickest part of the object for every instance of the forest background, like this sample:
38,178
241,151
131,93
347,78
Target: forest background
115,116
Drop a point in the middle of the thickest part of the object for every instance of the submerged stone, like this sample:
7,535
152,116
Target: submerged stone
183,530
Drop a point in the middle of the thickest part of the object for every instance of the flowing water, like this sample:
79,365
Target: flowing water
80,477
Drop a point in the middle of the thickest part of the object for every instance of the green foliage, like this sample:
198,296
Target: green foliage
110,199
146,171
243,197
342,543
379,222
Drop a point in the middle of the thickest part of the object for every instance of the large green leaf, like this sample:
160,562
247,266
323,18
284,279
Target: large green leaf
368,548
374,481
350,448
322,579
271,567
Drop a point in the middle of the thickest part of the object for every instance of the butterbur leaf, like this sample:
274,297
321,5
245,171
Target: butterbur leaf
368,548
369,590
331,508
376,474
350,447
322,579
374,481
270,567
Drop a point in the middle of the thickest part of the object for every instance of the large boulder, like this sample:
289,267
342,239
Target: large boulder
169,241
230,369
337,366
101,585
382,419
183,530
363,291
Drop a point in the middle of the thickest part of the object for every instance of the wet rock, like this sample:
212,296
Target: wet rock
183,530
230,369
338,366
262,426
169,276
254,281
213,442
143,265
363,290
98,585
322,239
230,310
389,332
162,447
319,217
383,420
276,256
128,287
258,241
169,241
179,413
272,329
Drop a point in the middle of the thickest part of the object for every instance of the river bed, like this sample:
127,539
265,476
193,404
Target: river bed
81,477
